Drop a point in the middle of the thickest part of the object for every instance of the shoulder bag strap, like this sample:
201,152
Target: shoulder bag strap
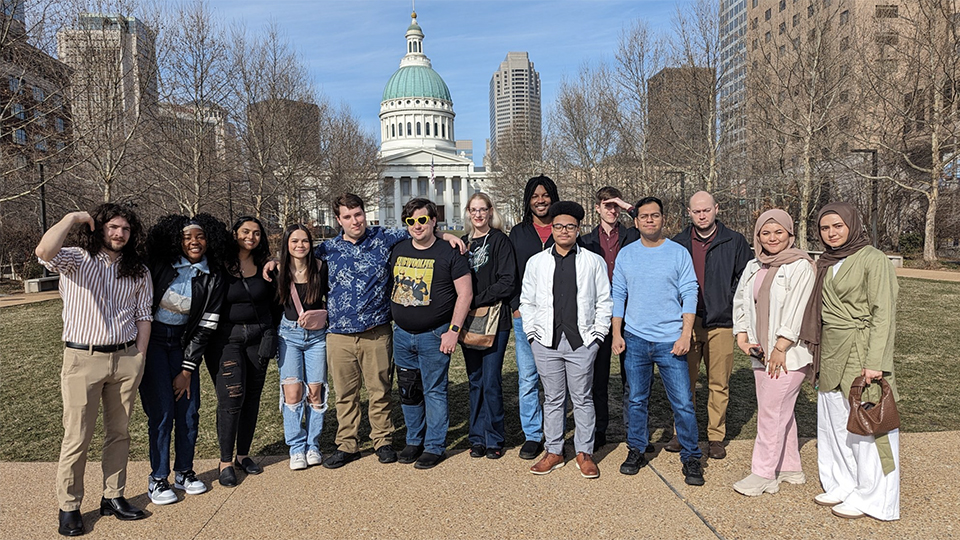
295,296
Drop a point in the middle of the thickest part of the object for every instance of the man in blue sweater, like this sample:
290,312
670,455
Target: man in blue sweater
654,304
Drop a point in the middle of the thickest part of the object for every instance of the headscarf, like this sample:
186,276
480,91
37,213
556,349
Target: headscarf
787,256
812,323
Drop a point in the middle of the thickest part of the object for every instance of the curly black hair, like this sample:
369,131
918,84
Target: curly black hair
165,239
261,253
131,262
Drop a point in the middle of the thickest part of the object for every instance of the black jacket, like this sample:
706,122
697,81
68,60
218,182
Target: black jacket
591,240
494,275
726,258
526,243
206,297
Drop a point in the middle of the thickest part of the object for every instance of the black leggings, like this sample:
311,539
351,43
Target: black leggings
238,376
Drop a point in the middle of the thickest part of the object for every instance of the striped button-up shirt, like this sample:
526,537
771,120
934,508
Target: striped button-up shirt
99,308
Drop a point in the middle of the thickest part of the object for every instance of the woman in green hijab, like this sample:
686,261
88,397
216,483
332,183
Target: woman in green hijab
849,325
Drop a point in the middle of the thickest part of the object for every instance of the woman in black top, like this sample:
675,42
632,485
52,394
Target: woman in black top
494,269
185,258
236,363
303,346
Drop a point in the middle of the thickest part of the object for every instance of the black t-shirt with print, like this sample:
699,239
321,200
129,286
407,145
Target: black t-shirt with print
422,296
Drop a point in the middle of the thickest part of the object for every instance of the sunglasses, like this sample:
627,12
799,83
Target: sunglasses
411,221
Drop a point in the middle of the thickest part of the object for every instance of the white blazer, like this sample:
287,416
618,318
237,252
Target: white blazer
789,293
594,305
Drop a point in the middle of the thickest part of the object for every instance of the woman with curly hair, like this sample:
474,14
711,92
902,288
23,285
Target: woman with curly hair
185,258
236,362
302,290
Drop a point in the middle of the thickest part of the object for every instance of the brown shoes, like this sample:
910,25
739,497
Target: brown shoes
673,445
716,450
588,469
548,464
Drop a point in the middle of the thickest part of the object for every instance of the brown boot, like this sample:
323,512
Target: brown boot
673,445
547,464
588,469
716,450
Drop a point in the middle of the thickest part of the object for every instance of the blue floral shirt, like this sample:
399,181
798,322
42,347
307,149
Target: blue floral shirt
359,279
174,307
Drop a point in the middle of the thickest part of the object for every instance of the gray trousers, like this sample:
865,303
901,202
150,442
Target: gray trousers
566,370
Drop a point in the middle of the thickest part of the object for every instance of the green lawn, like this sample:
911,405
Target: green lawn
30,405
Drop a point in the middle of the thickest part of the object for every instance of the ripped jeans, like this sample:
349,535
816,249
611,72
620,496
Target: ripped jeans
302,362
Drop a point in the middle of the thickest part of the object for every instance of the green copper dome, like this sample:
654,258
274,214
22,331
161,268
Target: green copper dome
416,82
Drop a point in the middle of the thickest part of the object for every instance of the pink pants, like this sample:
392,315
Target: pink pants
776,448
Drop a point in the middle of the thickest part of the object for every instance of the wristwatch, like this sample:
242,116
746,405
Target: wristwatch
454,327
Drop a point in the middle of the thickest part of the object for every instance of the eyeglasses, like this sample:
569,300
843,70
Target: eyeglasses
411,221
569,227
478,211
654,216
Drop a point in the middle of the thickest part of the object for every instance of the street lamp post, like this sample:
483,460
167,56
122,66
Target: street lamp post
874,210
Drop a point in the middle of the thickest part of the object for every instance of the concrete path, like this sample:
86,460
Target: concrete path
480,498
935,275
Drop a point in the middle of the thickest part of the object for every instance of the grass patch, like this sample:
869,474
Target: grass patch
31,407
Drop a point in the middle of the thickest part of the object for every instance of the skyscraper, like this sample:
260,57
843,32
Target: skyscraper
733,75
115,69
515,107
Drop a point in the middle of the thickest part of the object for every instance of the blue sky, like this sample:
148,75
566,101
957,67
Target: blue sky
352,47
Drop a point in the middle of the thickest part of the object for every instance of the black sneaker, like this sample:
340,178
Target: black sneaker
410,453
339,459
494,453
634,462
531,449
693,472
386,454
478,451
429,461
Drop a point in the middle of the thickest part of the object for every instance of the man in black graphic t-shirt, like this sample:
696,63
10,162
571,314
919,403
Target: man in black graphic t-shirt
428,314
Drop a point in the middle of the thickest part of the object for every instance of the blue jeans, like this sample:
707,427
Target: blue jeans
639,359
427,422
531,411
302,361
167,416
484,372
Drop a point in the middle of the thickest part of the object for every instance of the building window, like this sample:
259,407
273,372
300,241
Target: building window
844,43
38,93
41,143
783,28
796,19
418,129
756,43
888,38
783,5
426,126
20,136
887,12
754,24
443,128
15,85
767,36
435,130
409,129
422,187
754,3
767,14
404,187
844,96
810,11
845,16
18,111
59,124
393,130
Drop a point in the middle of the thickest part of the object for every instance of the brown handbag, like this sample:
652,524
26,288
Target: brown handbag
868,418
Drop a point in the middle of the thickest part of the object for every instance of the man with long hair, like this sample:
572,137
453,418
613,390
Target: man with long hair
107,295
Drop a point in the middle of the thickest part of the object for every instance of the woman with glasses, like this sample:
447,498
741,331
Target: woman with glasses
236,362
494,271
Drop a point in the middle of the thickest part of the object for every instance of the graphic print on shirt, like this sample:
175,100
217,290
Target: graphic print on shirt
479,256
412,281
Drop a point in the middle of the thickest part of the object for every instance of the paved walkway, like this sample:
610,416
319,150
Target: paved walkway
480,498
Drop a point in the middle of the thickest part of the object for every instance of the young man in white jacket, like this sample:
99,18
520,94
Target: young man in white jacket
565,306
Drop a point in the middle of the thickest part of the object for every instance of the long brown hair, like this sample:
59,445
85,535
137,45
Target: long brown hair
131,262
315,284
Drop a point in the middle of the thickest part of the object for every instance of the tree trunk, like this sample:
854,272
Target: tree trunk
930,225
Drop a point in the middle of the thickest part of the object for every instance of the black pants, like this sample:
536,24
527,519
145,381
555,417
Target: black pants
238,376
601,380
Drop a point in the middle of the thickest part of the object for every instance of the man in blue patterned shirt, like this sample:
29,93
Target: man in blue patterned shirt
360,336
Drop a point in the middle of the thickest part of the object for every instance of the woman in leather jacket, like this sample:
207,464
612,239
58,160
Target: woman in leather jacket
185,258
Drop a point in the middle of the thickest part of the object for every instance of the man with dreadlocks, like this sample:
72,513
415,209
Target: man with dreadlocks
107,295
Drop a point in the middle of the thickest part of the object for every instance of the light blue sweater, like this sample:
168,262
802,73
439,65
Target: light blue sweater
652,289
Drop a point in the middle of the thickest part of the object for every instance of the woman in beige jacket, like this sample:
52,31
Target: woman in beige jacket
767,314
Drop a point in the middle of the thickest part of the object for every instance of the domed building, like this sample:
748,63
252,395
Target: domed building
418,144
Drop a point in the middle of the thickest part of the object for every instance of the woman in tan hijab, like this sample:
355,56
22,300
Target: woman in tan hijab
849,326
767,315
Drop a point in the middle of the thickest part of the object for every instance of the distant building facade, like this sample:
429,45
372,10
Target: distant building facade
515,114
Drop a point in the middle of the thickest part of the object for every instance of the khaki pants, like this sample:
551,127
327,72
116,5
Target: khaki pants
367,358
87,378
715,348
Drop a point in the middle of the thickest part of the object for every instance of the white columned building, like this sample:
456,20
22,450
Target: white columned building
418,144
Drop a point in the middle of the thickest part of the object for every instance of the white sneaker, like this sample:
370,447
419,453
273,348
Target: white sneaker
791,477
756,485
314,457
159,492
825,499
846,512
189,482
298,462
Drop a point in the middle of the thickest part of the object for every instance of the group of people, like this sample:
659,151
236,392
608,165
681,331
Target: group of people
374,303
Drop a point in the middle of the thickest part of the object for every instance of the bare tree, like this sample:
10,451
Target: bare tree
797,82
349,156
516,162
911,87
